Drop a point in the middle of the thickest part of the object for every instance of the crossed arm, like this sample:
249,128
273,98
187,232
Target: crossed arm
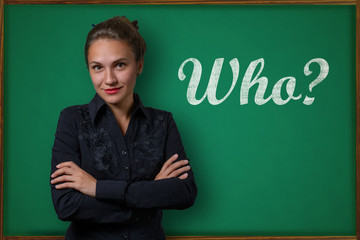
70,175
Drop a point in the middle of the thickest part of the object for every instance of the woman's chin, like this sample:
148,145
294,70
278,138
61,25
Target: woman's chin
116,99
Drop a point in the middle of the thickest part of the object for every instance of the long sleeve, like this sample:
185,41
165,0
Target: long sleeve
70,204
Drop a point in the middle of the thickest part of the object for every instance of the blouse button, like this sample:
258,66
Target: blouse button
125,167
123,152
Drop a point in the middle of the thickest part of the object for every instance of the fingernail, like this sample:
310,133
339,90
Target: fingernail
188,167
175,155
58,165
186,161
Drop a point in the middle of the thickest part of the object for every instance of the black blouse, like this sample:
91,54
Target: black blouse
128,201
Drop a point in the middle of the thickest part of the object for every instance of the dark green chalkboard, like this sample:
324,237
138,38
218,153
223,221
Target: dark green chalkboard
261,169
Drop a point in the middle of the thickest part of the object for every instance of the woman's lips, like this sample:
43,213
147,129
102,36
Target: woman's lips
112,90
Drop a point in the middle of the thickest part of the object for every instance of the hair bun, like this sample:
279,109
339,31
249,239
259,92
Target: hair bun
135,24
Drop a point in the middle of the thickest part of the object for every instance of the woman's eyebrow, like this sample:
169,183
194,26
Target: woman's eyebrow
121,59
94,62
117,60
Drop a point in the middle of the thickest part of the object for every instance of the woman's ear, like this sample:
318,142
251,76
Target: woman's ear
140,66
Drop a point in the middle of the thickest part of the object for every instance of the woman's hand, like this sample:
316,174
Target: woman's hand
70,175
171,169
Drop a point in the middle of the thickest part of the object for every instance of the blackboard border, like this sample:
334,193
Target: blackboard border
168,2
174,2
203,238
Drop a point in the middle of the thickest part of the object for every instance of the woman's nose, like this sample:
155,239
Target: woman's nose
110,78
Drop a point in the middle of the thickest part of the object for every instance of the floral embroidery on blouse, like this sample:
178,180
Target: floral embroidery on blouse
99,142
149,148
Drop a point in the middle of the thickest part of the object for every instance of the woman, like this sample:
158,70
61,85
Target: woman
116,163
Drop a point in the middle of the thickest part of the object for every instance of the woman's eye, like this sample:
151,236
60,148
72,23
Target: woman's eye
96,67
120,65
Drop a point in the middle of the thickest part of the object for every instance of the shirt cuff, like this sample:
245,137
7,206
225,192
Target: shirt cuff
111,190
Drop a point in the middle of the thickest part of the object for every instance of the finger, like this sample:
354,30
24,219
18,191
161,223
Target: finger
64,178
65,185
175,166
62,171
184,176
169,162
69,164
179,171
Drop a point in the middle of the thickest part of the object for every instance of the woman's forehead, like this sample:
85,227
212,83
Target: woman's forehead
109,50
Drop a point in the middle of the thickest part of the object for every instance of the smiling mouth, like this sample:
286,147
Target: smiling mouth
112,90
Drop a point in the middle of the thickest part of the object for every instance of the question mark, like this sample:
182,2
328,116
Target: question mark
324,70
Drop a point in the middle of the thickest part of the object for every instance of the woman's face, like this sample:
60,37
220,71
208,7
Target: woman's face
113,70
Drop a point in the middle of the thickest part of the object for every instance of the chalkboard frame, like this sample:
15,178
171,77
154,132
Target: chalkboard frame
158,2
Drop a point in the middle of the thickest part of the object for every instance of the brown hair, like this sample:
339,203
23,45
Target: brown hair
117,28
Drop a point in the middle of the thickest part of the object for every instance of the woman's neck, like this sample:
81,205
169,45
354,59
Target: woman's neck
122,112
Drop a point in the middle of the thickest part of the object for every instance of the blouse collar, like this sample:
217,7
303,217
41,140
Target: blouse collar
97,103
